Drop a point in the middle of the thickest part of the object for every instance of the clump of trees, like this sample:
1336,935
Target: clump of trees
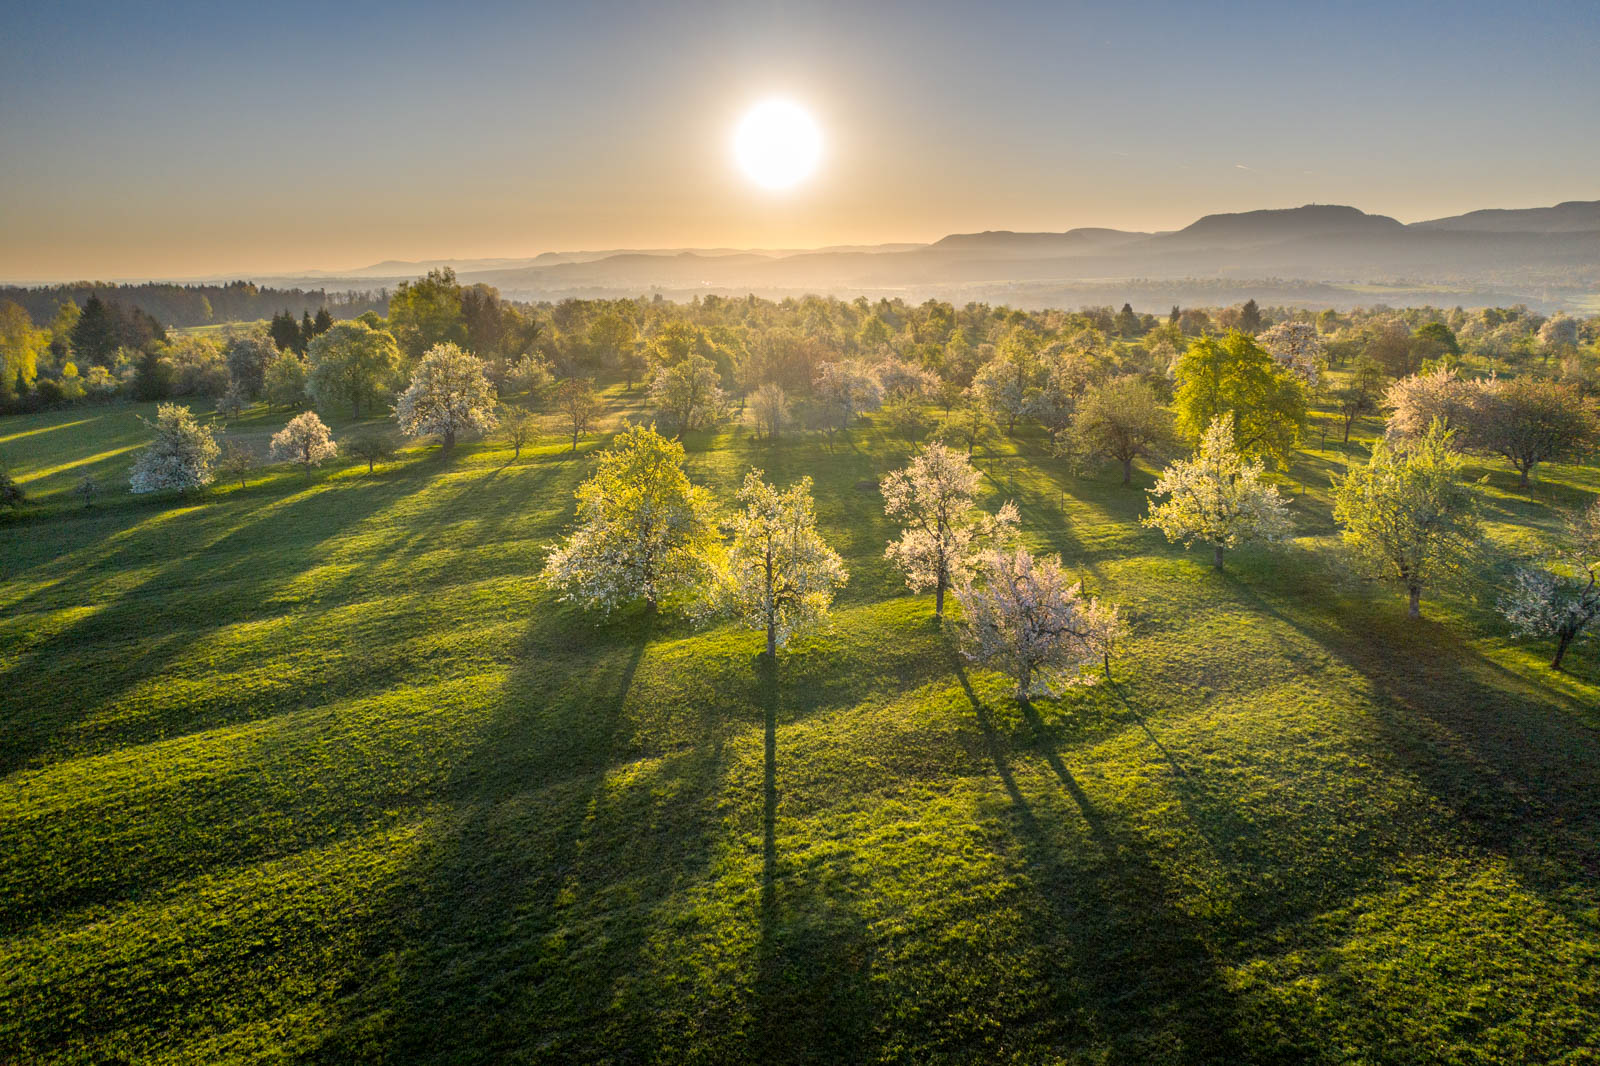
1525,420
180,456
1408,513
944,529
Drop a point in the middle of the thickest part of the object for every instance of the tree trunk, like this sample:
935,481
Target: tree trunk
772,641
1216,556
449,439
1415,608
1561,650
1127,471
1522,472
938,598
574,441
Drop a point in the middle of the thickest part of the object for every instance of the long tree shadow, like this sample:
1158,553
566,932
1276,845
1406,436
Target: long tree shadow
527,924
1515,762
1132,975
199,588
812,995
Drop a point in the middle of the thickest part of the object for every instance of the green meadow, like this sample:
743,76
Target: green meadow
313,770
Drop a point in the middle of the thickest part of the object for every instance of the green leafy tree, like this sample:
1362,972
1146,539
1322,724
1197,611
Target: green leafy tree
519,427
643,530
371,447
1360,395
427,312
1121,419
284,382
248,355
612,336
688,394
237,461
353,364
578,404
1236,378
1408,514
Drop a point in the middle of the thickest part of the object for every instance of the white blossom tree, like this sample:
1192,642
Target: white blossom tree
643,530
900,379
768,412
1217,497
180,457
1408,513
778,575
1026,619
846,390
1560,599
305,440
944,529
1298,347
449,394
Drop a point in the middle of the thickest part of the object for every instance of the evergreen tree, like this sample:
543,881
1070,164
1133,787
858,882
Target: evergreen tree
95,336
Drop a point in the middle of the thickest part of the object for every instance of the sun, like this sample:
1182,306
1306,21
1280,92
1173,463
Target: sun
777,144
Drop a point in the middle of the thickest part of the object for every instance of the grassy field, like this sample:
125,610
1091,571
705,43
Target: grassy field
312,770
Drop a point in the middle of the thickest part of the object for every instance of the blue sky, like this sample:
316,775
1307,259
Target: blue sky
189,139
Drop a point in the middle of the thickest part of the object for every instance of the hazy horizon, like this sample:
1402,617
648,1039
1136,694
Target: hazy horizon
240,144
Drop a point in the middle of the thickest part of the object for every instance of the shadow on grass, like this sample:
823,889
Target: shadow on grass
1130,973
812,996
529,916
1515,762
203,581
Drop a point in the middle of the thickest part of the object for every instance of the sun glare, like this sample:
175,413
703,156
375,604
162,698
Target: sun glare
777,144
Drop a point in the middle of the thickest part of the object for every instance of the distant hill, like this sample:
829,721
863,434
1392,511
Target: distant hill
1007,241
1256,227
1547,257
1574,216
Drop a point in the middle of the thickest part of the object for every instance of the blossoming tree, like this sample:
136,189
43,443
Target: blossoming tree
944,528
643,530
1218,497
448,394
1026,619
778,574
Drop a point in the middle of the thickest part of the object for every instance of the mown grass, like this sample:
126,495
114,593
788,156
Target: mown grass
313,770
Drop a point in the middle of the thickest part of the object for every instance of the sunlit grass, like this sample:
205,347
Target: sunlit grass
315,770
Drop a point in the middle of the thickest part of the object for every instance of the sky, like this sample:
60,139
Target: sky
187,140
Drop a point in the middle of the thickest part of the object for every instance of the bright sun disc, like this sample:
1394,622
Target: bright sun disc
777,144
